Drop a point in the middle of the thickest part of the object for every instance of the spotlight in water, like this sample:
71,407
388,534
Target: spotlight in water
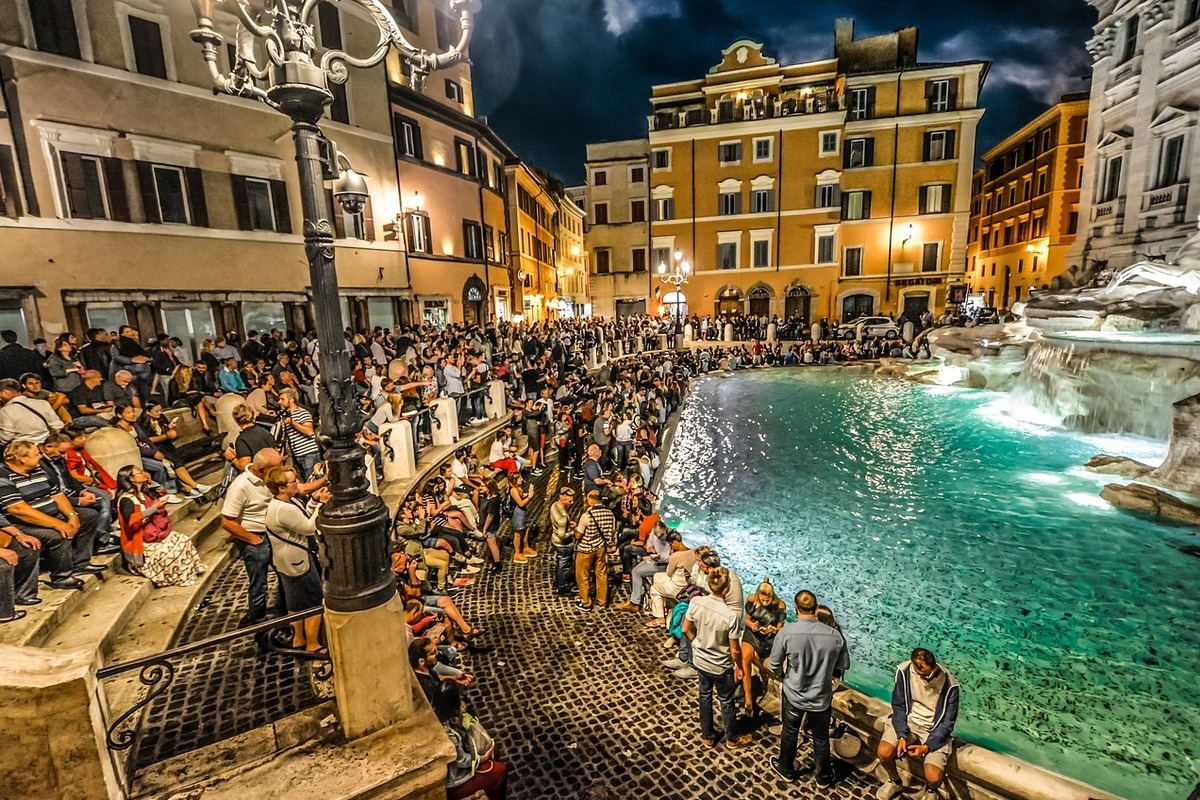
948,375
1089,500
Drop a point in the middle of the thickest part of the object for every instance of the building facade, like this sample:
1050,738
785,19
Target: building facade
532,219
618,207
829,189
571,257
1025,206
1142,153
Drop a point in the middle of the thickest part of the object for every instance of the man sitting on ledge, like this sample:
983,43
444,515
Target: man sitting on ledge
924,709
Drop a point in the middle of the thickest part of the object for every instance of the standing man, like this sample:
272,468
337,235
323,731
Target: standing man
807,656
924,710
593,472
715,633
299,431
595,536
244,517
563,540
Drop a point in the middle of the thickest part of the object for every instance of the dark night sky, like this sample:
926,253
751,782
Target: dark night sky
554,75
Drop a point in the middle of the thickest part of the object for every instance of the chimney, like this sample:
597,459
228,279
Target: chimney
843,33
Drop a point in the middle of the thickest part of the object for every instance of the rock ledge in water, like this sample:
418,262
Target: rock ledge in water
1145,499
1105,464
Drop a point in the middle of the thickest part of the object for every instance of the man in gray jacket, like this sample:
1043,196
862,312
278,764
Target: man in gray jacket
807,656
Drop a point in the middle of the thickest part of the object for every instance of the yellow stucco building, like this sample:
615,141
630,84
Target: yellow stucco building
828,189
1025,205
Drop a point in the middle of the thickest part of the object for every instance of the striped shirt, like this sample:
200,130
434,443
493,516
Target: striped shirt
300,444
38,488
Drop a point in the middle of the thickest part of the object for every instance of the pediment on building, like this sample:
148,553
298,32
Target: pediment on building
742,54
1173,115
1115,138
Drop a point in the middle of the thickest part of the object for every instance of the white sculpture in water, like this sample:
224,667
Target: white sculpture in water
1183,272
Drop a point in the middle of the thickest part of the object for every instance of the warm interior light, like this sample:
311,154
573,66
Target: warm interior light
662,268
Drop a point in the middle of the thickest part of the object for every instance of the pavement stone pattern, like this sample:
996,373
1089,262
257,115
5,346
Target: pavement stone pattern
227,690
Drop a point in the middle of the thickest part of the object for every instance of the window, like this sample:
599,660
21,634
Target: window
170,194
829,143
54,28
1112,179
600,212
729,203
1039,228
637,210
1026,189
603,261
1043,178
664,208
729,152
762,201
408,137
727,255
600,177
454,91
1191,11
826,248
1008,234
763,150
828,195
258,201
637,174
662,255
638,255
859,153
987,209
931,257
329,24
147,41
856,205
857,305
472,240
447,28
405,14
1022,231
1073,222
1170,161
464,153
986,241
260,204
852,261
84,180
862,103
935,199
761,253
1129,39
661,159
941,95
939,145
1047,140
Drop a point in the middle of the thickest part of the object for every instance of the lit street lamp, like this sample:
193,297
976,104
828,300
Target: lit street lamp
678,277
355,521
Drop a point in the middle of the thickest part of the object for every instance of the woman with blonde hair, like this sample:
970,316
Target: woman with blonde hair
187,388
765,615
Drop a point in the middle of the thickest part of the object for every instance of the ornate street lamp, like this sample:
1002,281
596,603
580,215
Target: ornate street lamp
354,522
678,277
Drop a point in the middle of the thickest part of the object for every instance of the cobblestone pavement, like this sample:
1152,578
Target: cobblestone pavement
227,690
581,708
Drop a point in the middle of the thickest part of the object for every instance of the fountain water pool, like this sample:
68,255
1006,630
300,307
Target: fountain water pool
927,516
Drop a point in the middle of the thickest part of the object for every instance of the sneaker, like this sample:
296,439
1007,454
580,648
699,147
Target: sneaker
203,488
628,607
462,583
740,742
825,781
471,570
687,673
174,500
582,607
519,559
780,771
673,664
193,494
529,552
889,790
475,561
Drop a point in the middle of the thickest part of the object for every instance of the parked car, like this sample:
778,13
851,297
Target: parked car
870,326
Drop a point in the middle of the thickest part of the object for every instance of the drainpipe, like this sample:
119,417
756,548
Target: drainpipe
779,201
694,255
400,237
20,144
887,296
487,268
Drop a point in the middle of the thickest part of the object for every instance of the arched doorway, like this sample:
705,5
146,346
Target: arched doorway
857,305
474,300
675,304
729,301
797,306
760,301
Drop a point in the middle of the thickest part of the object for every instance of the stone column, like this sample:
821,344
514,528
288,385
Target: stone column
112,448
772,332
368,646
398,459
728,331
445,410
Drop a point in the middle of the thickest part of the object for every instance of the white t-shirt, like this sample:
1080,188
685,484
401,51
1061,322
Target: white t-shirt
497,452
715,624
246,500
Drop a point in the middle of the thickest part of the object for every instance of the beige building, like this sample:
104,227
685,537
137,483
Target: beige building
835,188
618,244
573,285
1025,205
532,218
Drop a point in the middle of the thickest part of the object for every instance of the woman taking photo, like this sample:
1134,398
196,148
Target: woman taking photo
292,530
765,615
150,547
521,495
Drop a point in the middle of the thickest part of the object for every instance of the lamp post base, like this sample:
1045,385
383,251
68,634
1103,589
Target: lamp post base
372,679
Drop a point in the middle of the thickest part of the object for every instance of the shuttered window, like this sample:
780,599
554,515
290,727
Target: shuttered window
54,28
261,204
172,194
148,56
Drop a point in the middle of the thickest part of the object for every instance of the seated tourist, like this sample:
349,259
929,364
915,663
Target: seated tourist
25,418
31,387
667,584
19,560
230,379
503,455
765,615
250,440
657,553
413,587
188,386
88,404
151,548
33,501
163,470
54,461
120,390
921,725
474,768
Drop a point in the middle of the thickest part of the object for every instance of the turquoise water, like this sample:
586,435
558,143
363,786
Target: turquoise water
928,516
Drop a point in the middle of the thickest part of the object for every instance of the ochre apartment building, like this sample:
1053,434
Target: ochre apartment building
828,189
618,228
1025,206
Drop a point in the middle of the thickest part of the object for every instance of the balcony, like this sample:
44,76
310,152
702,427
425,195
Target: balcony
1167,200
748,109
1111,211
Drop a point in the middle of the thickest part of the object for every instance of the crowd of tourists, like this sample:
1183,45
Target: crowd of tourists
601,429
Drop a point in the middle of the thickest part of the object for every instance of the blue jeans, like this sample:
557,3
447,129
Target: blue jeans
257,560
640,577
92,421
305,464
685,650
817,725
159,474
725,686
104,507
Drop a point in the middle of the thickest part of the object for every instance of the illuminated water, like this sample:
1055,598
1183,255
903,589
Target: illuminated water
924,516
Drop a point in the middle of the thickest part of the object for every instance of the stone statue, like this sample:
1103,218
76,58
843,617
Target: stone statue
1182,272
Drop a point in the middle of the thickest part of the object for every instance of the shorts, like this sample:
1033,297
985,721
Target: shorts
302,592
934,758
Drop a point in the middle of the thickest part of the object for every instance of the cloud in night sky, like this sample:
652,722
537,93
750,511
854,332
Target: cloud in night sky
554,75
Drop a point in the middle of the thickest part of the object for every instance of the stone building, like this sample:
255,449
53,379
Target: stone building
573,285
1025,206
533,220
619,208
834,188
1142,155
130,193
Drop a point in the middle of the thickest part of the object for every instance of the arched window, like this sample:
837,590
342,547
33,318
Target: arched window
474,301
760,301
797,306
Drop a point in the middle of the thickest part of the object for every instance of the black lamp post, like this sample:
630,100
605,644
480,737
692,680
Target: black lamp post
355,521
